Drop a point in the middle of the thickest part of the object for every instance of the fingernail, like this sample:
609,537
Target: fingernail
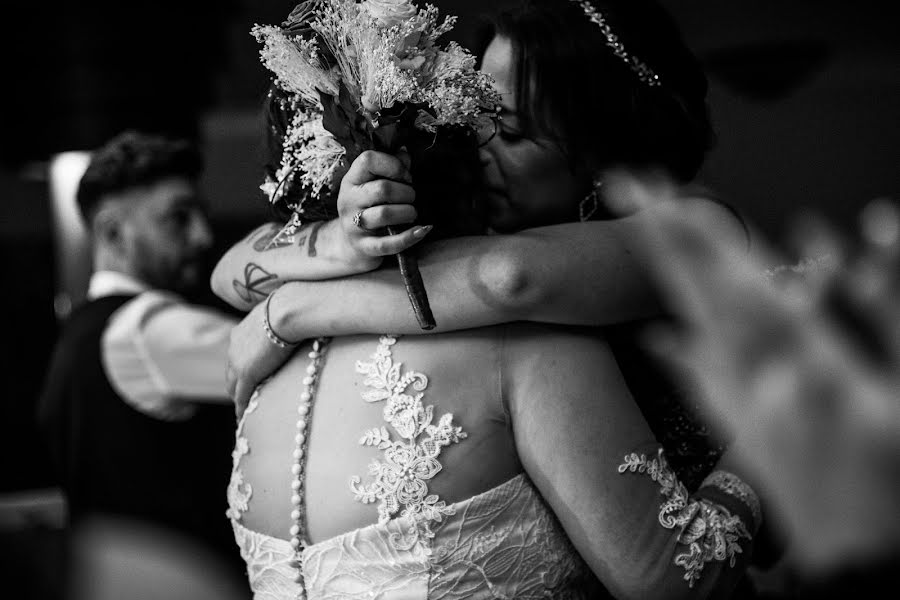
421,232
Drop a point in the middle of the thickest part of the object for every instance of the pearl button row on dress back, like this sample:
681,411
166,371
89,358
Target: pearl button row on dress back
301,439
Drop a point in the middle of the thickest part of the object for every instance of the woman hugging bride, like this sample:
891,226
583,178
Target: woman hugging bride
510,460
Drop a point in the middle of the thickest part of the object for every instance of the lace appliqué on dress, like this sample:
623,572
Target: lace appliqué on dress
708,530
239,492
400,480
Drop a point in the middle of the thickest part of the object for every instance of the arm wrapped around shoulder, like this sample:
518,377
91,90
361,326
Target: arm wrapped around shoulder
715,525
640,531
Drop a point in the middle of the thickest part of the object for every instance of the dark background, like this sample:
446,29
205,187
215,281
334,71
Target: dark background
804,95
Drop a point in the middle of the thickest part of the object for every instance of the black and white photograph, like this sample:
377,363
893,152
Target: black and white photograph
449,300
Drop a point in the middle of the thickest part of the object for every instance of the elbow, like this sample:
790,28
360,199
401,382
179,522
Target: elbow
215,282
221,285
512,285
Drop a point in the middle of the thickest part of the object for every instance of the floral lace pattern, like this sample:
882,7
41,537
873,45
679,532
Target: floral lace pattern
503,543
708,530
239,491
400,480
270,564
508,544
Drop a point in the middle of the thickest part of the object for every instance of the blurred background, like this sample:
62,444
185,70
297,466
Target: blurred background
805,97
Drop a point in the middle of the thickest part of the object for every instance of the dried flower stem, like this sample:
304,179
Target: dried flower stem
415,287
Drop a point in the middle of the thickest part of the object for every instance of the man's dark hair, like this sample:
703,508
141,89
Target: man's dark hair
134,159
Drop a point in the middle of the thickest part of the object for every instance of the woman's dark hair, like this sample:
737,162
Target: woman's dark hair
133,159
574,90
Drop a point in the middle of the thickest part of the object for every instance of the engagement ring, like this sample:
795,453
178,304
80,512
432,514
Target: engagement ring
357,220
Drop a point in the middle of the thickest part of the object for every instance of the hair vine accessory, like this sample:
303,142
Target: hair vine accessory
643,72
270,333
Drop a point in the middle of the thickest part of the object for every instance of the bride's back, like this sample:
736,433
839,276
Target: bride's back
463,379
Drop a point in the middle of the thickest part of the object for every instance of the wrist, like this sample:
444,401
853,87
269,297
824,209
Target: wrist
280,318
355,262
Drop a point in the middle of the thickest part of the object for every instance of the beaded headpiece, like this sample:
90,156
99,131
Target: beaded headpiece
643,72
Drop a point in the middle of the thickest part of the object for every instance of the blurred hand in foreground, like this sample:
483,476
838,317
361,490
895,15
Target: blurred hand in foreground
800,364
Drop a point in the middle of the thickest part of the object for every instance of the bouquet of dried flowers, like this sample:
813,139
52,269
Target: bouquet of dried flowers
366,76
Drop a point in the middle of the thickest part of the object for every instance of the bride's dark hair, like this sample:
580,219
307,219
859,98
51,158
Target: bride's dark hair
575,90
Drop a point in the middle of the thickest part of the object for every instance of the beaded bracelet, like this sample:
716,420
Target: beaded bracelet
270,333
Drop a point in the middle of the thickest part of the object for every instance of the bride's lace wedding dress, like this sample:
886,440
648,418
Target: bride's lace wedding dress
502,543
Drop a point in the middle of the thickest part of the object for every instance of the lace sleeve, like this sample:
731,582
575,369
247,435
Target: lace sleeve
712,524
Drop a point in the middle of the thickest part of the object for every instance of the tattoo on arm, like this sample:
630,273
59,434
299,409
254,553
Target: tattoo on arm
313,238
257,283
271,238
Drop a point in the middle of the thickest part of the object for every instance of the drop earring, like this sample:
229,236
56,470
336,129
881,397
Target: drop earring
591,202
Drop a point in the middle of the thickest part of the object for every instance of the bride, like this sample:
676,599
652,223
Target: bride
506,461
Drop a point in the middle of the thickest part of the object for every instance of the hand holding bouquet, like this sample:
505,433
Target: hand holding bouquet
367,75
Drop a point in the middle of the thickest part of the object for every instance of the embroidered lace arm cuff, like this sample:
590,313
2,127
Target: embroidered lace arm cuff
708,530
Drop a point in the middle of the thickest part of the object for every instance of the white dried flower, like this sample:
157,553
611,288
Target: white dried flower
270,188
320,158
295,63
390,12
385,52
311,151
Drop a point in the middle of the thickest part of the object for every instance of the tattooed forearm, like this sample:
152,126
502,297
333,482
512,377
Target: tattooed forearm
313,238
273,237
256,285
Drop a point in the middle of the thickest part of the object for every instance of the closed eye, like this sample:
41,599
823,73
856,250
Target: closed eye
511,136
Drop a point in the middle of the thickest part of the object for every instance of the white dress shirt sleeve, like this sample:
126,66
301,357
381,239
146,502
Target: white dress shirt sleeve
162,355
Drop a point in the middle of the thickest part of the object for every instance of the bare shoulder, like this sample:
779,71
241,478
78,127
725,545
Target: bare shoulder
722,220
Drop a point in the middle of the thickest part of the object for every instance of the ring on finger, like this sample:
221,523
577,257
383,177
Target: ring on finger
357,220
